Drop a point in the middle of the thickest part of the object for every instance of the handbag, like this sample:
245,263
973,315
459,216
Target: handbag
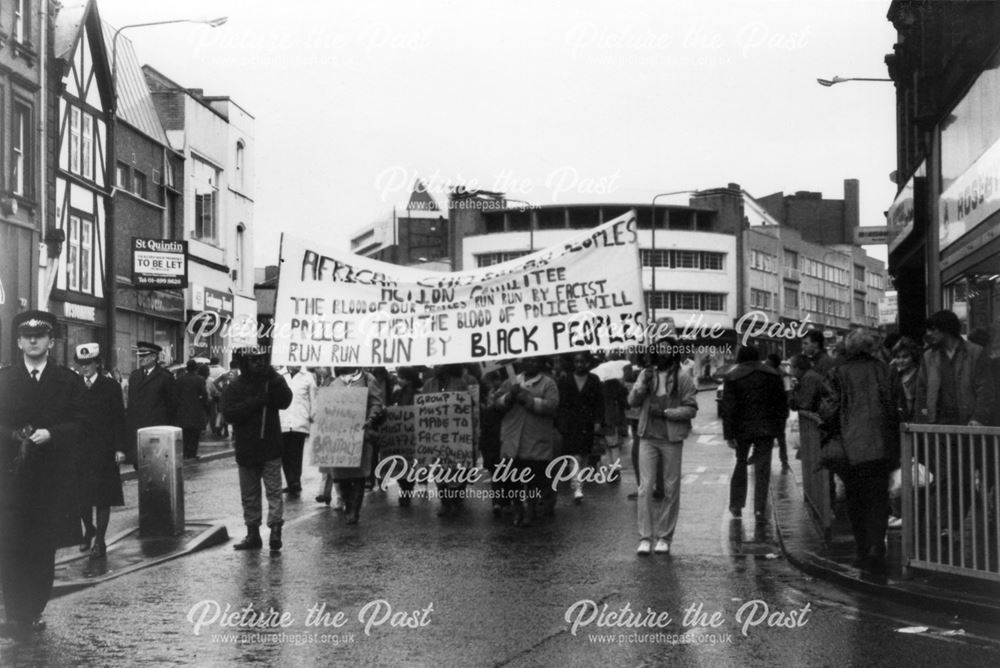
833,456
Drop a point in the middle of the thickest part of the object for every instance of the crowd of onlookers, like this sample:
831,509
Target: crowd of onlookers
861,394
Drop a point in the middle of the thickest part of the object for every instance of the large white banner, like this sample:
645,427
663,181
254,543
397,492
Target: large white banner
334,308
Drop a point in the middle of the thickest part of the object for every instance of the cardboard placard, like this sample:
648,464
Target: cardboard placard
444,428
338,430
398,436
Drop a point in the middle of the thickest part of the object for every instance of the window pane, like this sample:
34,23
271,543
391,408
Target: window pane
87,147
86,256
72,258
74,140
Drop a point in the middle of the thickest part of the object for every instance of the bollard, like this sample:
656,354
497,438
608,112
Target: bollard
161,482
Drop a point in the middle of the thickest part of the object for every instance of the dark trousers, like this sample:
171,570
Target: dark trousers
782,448
27,574
867,489
293,442
762,473
191,437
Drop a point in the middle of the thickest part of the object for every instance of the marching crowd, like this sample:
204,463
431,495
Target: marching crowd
70,432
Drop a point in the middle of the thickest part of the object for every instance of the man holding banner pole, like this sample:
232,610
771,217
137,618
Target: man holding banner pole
252,403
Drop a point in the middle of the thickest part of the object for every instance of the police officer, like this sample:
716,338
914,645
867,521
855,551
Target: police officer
41,418
102,449
151,399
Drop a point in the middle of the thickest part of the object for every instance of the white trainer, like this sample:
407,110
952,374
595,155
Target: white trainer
662,547
643,548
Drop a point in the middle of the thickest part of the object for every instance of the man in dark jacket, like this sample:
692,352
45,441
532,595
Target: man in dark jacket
151,400
191,398
754,409
954,388
41,415
814,347
252,402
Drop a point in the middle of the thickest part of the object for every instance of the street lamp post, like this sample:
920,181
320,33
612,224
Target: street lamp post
531,220
652,253
110,169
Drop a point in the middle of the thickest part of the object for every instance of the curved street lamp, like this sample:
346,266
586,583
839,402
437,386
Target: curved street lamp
110,172
652,243
837,80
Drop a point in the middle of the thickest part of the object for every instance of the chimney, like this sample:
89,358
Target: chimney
852,209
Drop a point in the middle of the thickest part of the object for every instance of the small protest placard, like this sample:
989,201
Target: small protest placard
338,430
444,428
398,436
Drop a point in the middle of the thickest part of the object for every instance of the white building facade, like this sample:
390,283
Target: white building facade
216,137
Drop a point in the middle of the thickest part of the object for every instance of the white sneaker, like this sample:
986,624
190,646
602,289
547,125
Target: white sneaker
577,496
662,547
895,522
643,548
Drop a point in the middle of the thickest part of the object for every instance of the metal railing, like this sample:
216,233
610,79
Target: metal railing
950,517
815,479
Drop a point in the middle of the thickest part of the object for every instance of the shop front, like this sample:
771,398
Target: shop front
968,208
156,316
210,315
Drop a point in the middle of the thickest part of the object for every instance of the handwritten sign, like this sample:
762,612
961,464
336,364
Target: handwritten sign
338,309
398,435
338,430
444,428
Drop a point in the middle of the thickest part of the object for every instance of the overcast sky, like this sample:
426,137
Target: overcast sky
550,102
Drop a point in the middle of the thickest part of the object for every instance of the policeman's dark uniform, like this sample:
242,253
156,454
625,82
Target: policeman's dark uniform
151,398
38,501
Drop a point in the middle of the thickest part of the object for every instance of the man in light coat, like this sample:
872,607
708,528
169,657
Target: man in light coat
296,421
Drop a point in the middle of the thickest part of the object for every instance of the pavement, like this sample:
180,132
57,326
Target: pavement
128,550
825,556
829,556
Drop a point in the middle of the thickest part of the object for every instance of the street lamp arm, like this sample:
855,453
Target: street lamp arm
837,80
213,23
